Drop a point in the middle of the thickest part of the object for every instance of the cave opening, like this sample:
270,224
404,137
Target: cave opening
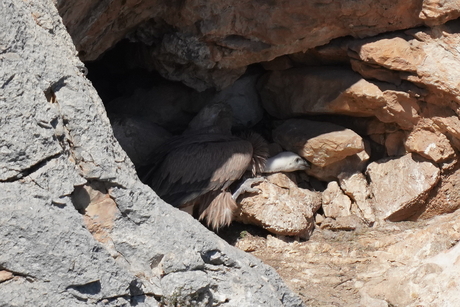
146,109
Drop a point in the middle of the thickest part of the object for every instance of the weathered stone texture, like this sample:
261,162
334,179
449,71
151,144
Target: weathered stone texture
186,37
401,185
55,138
281,207
320,143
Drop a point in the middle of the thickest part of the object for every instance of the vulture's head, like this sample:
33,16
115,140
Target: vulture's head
285,161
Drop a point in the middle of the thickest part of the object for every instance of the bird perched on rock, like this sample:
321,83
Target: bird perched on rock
198,169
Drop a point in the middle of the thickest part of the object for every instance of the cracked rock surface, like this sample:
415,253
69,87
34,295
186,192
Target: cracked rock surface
60,164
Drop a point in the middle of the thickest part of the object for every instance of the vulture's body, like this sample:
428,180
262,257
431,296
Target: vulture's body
198,168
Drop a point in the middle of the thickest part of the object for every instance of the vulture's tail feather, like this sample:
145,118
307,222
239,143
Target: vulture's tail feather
219,211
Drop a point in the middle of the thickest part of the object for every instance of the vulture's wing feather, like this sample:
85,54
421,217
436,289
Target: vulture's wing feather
190,166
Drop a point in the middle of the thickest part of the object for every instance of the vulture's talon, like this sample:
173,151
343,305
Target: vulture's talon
246,186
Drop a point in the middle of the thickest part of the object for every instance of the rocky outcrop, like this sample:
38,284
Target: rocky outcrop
358,89
281,207
209,44
78,228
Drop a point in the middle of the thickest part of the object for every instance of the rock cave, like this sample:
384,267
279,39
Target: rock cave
366,92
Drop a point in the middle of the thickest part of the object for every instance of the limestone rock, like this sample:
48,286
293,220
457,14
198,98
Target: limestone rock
281,207
425,270
350,165
320,143
399,186
394,53
422,56
356,187
310,90
221,36
430,144
50,110
436,12
445,198
335,202
336,90
348,223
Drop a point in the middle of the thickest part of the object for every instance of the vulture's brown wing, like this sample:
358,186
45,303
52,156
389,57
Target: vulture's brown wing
196,164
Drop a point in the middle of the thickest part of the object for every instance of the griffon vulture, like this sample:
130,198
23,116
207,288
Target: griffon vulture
198,169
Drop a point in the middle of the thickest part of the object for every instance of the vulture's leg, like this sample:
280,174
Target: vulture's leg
246,186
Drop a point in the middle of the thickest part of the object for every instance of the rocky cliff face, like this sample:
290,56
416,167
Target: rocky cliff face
59,158
366,91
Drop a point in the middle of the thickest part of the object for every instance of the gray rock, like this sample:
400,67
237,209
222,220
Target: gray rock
55,136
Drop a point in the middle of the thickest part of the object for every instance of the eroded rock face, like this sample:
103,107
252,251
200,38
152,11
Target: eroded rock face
281,207
134,249
320,143
336,90
71,192
335,202
400,185
189,37
357,188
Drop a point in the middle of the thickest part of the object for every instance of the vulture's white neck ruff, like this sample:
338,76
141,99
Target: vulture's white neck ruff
285,161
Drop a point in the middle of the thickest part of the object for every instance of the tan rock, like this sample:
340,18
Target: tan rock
100,211
428,58
391,52
400,186
281,207
445,198
394,143
372,71
335,202
334,53
320,143
446,121
424,267
5,275
436,12
356,187
351,164
349,222
308,90
430,144
334,90
231,34
250,243
400,108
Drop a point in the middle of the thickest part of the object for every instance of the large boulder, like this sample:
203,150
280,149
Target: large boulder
78,228
400,186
